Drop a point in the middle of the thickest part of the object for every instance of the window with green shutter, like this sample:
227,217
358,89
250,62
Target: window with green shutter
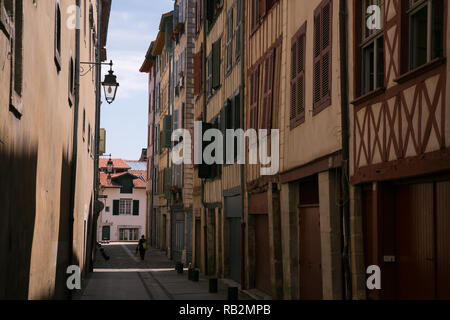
135,207
116,207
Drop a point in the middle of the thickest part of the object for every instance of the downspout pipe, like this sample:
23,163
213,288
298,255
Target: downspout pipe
98,97
204,120
242,124
343,40
74,140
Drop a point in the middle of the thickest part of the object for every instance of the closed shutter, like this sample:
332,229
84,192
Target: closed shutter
255,13
216,64
116,207
230,39
167,132
298,78
238,32
167,182
322,55
262,8
254,99
269,69
135,207
198,73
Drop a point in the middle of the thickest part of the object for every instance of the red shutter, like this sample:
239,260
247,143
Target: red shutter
326,49
317,56
269,69
255,13
322,55
262,8
298,77
254,80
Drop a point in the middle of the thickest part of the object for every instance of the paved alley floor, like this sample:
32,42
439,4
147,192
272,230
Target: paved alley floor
126,277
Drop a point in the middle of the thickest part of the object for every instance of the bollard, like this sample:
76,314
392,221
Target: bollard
213,285
195,275
233,293
179,267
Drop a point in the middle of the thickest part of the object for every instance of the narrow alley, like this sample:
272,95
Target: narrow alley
125,277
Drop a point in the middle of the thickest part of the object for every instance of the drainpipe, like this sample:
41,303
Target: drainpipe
74,141
98,97
242,124
205,85
343,15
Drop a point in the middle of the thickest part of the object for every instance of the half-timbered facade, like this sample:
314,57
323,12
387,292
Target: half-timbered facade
400,156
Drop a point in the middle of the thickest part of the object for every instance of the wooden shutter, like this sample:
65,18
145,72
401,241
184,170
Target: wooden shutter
269,69
116,204
254,98
197,75
255,13
216,64
262,8
322,55
298,77
135,207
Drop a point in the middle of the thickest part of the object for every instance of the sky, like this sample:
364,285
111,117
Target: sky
133,25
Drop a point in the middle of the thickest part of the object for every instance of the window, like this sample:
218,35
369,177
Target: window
198,15
126,234
11,22
216,61
71,81
269,72
209,78
58,37
213,9
372,54
107,209
298,77
426,31
125,206
254,98
259,10
230,29
238,30
198,70
322,56
84,122
89,137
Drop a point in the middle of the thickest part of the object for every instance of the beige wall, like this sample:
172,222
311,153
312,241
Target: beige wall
319,135
36,155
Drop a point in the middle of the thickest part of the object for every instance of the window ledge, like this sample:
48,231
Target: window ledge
421,70
368,96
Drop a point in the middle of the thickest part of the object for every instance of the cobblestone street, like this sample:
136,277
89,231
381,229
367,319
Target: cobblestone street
126,277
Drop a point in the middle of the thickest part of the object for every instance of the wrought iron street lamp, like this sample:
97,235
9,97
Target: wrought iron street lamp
110,83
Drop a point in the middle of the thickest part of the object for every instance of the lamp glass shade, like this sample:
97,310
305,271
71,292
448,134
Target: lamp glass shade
110,86
109,166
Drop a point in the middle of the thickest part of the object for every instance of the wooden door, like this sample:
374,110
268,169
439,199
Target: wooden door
262,254
415,256
443,239
310,258
198,237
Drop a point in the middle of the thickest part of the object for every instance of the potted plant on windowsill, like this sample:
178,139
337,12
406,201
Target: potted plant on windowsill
175,194
177,31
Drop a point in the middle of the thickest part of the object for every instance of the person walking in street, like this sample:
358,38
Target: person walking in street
142,247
